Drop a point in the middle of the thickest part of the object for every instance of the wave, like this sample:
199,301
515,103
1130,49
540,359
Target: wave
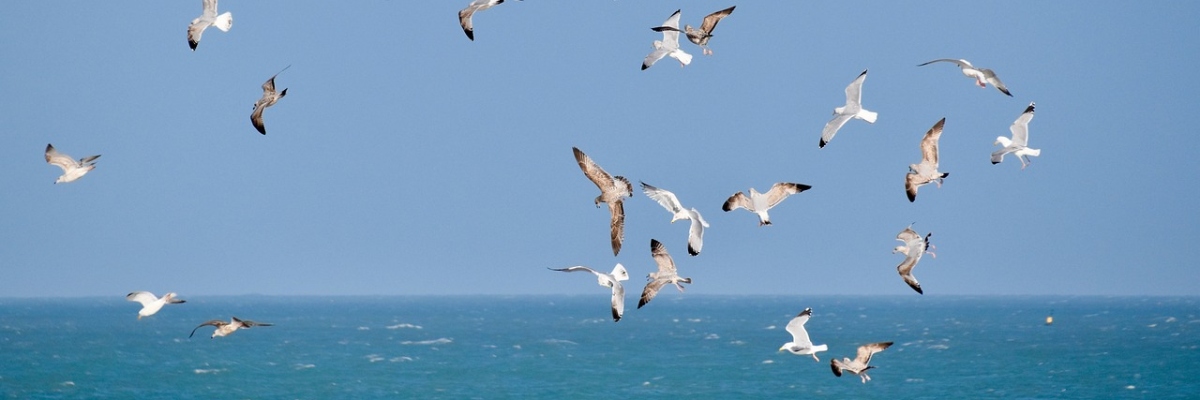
398,326
429,342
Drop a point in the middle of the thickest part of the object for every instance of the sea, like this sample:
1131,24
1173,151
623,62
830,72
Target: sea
680,346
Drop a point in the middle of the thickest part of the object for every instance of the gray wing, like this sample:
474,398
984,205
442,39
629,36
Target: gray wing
908,235
659,52
796,328
912,181
671,35
710,21
832,127
664,198
256,117
616,209
141,297
618,301
650,291
696,232
1020,128
249,324
929,143
738,199
198,25
464,16
216,322
782,190
593,172
577,268
867,350
959,63
664,261
854,90
991,78
63,161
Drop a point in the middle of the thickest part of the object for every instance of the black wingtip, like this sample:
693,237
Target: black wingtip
945,174
692,252
644,66
641,303
995,162
823,142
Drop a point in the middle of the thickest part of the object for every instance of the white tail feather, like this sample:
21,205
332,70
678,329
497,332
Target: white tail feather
823,347
868,116
620,273
684,58
224,21
1035,152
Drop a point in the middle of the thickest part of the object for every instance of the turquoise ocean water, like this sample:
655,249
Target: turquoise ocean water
566,347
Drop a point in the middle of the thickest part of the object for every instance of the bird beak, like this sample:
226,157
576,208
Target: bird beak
782,348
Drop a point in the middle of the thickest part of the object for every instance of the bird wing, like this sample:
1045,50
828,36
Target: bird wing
796,328
998,155
248,323
991,78
216,322
650,291
696,232
782,190
171,298
854,90
616,209
867,350
960,63
256,117
836,366
738,199
1020,128
593,172
659,52
929,144
664,198
63,161
907,235
142,297
664,261
671,36
832,127
711,20
210,8
618,301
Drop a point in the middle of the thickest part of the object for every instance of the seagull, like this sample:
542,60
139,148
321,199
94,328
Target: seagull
979,74
269,97
852,109
926,171
72,169
858,366
701,36
225,328
801,344
464,16
759,203
914,246
612,191
666,273
150,303
669,46
206,19
1019,144
668,200
610,280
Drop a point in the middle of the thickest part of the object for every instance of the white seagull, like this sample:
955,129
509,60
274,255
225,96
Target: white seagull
914,246
927,171
464,16
1019,144
151,303
613,190
801,344
610,280
701,36
759,203
980,75
666,273
668,200
72,169
208,18
858,366
852,109
269,98
225,328
669,46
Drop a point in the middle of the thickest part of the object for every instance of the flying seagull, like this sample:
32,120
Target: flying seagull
801,344
759,203
666,273
668,200
151,303
852,109
927,170
464,16
208,18
701,36
72,169
269,97
613,189
1019,144
610,280
914,246
669,46
225,328
858,366
980,75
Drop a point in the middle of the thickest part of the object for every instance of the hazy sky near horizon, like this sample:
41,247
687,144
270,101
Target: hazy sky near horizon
407,159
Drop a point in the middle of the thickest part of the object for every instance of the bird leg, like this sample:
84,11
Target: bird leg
980,83
930,251
677,285
815,357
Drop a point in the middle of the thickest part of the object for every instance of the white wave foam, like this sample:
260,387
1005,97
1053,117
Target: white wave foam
429,342
410,326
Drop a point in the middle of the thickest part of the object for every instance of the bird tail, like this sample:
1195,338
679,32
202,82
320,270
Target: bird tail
684,58
620,273
868,116
224,21
1035,152
823,347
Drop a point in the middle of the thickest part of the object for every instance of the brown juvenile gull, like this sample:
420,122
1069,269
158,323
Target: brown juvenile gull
668,200
464,16
269,98
801,344
927,171
701,36
610,280
669,46
208,18
980,75
858,366
225,328
759,203
666,273
72,169
1019,144
613,190
852,109
151,303
914,246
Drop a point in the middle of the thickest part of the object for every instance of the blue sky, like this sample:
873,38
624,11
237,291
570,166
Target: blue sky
408,160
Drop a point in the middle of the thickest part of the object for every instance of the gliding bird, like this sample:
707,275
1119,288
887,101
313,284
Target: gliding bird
801,344
980,75
858,366
1019,144
269,98
208,18
852,109
669,46
613,189
610,280
927,171
72,169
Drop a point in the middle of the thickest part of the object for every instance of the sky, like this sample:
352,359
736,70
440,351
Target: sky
409,160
